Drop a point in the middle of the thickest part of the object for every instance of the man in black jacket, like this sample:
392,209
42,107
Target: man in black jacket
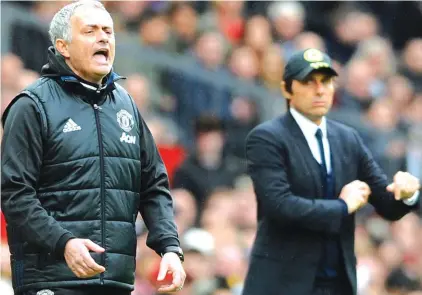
311,175
78,164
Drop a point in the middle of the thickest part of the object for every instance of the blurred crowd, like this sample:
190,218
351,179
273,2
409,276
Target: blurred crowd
204,73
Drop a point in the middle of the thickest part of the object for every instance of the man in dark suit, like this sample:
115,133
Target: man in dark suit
310,176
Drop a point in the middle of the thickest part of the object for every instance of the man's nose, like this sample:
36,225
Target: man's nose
103,37
319,87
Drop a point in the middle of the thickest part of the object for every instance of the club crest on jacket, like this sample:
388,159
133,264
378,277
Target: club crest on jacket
125,120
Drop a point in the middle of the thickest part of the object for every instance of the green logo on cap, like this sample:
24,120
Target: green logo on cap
313,55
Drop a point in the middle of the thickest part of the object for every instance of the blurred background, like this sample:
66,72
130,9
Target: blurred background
204,73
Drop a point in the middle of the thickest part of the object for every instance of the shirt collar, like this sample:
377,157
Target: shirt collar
308,127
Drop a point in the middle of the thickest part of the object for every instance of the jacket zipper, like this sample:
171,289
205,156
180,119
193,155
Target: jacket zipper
102,190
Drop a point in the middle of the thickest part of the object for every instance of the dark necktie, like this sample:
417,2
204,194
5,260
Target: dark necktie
318,135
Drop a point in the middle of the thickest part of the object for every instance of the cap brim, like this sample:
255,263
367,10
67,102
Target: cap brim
305,72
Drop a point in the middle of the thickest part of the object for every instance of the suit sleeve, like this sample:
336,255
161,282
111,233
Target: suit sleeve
383,201
156,205
269,174
21,160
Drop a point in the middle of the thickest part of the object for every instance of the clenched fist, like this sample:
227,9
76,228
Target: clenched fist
405,185
355,194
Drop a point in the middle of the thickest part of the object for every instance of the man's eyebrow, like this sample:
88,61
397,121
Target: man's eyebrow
97,26
327,77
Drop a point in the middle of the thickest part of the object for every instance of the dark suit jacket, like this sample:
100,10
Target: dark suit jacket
293,215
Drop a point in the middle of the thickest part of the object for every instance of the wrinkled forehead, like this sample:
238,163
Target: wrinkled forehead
92,16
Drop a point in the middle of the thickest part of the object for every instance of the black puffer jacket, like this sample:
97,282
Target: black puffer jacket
79,161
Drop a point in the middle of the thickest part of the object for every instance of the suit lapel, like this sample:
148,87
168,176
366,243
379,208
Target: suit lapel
305,152
335,151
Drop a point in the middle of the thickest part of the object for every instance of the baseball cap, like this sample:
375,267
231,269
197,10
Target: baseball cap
198,240
302,63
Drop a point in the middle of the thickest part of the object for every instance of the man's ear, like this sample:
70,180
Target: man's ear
284,91
62,48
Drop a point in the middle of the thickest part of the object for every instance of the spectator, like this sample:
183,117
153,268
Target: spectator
401,91
183,24
153,28
225,17
378,52
413,111
207,168
127,14
309,40
200,263
349,28
244,64
272,68
138,87
185,210
288,19
244,216
244,113
11,67
29,42
409,15
217,215
356,95
412,62
152,36
389,144
258,35
195,96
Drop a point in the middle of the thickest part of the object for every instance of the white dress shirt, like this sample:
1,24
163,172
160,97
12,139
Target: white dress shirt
309,130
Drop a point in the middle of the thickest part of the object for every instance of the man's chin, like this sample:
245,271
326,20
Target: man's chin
318,112
102,71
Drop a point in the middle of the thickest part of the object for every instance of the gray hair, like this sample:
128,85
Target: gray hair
376,46
292,9
60,27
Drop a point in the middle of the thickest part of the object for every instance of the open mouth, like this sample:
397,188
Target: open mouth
103,54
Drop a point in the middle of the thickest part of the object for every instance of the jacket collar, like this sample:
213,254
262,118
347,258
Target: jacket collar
58,69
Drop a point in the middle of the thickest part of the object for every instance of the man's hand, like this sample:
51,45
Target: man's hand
405,185
79,260
355,194
170,263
